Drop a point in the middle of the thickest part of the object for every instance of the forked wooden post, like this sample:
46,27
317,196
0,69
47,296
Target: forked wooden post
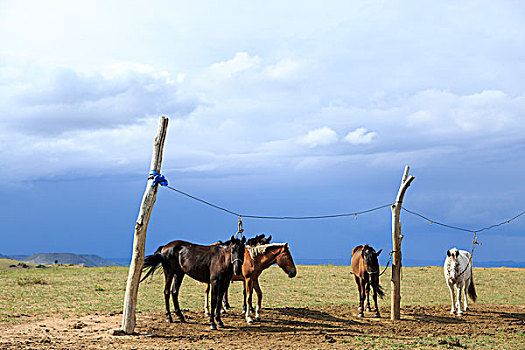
395,303
137,259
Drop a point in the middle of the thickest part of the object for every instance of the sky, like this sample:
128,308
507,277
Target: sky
275,108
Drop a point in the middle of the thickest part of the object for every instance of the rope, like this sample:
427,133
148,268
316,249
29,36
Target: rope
388,263
240,229
475,242
160,179
276,217
508,221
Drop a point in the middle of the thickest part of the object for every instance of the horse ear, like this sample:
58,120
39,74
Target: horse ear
448,252
243,239
457,253
286,247
379,252
231,239
269,238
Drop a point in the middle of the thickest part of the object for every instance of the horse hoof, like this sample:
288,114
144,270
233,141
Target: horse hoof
257,318
169,320
213,326
206,313
182,320
377,316
368,309
220,324
249,321
360,315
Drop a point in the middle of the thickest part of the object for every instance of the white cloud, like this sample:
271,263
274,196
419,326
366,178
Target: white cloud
318,137
240,62
360,136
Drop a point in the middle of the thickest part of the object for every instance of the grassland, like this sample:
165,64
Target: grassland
72,292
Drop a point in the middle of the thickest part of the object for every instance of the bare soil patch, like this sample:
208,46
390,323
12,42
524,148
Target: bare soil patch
296,327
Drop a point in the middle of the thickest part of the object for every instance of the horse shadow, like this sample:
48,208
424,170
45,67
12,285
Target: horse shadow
303,320
438,319
307,313
511,316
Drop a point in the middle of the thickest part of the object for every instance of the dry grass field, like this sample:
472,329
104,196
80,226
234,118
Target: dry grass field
72,307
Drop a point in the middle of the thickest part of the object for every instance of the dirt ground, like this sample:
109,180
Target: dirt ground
298,328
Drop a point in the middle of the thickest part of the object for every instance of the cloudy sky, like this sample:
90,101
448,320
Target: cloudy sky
275,108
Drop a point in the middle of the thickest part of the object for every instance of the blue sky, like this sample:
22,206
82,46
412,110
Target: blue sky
275,109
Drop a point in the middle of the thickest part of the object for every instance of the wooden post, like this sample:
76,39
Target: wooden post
395,312
137,259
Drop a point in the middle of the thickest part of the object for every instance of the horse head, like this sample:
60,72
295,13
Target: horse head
370,258
259,240
237,254
452,264
285,261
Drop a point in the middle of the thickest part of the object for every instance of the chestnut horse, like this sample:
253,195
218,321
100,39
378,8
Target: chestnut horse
365,267
214,264
256,260
254,241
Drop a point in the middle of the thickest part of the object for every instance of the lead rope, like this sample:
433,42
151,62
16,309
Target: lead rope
389,259
475,242
240,230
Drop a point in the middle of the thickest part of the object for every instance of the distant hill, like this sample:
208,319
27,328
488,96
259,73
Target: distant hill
87,260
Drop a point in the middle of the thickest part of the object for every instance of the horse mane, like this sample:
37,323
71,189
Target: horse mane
261,249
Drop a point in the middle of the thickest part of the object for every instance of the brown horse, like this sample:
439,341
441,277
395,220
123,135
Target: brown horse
214,264
254,241
256,260
365,267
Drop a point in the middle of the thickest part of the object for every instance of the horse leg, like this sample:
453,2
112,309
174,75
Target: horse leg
259,299
368,296
453,298
244,296
214,302
206,297
465,292
249,292
458,301
225,298
175,295
358,281
167,286
374,286
220,296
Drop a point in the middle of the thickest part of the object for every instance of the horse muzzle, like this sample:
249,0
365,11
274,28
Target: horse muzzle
292,274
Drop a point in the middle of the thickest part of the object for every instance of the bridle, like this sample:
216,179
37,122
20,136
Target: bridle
234,260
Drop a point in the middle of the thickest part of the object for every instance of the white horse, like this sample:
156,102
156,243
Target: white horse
458,274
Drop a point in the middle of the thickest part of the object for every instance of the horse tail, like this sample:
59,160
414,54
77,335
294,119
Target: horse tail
151,262
380,291
472,290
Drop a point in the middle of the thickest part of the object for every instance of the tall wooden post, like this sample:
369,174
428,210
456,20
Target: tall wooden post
137,259
395,303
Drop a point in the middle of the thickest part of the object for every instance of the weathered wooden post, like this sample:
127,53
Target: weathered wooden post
137,259
395,303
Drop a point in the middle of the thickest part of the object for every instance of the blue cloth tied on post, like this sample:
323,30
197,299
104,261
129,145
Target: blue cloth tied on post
158,179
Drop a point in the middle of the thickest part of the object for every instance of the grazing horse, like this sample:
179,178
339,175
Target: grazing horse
365,267
254,241
214,264
256,260
458,274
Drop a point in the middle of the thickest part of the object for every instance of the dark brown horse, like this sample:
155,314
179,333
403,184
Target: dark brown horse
252,242
365,267
214,264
